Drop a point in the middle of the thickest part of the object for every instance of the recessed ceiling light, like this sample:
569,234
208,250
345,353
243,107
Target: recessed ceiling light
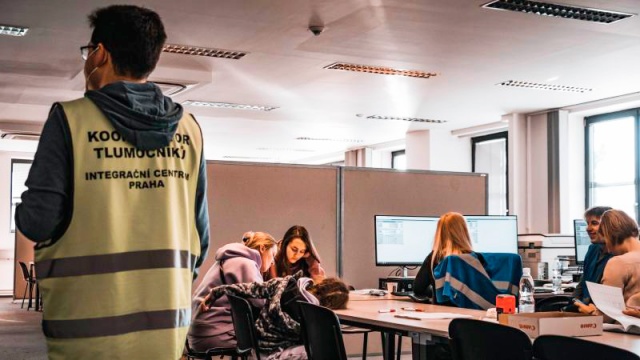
379,70
539,86
223,105
557,10
412,119
13,30
202,51
305,138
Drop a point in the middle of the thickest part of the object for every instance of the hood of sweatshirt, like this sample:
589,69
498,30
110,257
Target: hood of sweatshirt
234,250
140,113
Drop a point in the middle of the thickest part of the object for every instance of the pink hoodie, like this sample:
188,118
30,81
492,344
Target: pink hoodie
240,264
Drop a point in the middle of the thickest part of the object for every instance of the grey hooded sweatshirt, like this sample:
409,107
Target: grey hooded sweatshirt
142,115
214,328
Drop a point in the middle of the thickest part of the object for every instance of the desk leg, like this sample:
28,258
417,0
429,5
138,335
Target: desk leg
388,345
37,297
419,346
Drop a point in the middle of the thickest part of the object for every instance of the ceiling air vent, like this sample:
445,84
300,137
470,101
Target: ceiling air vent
411,119
557,10
13,30
551,87
202,51
305,138
380,70
223,105
170,89
20,135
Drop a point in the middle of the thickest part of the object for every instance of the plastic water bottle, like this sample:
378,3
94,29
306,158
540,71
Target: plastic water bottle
526,303
556,277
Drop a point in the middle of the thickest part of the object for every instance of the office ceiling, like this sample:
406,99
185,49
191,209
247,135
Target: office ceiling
471,49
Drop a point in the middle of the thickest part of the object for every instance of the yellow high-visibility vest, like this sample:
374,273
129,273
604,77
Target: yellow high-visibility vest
117,284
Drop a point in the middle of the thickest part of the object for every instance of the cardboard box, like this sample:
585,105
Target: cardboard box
554,323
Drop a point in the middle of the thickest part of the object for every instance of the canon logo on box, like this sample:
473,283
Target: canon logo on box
527,327
588,326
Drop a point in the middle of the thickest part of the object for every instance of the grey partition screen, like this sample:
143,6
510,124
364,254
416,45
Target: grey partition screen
271,198
370,192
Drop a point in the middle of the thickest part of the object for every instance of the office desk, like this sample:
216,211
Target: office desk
423,332
353,296
426,332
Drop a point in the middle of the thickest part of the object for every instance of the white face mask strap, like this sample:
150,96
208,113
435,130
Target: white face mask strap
89,77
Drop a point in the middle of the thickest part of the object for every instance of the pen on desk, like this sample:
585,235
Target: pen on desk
412,309
407,317
386,310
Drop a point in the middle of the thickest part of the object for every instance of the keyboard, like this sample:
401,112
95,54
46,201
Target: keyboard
402,293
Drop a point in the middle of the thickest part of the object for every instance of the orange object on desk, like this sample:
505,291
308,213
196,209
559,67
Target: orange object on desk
505,304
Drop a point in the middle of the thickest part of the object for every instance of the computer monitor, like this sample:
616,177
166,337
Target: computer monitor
403,240
493,233
581,238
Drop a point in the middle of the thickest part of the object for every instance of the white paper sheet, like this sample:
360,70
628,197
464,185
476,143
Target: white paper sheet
610,300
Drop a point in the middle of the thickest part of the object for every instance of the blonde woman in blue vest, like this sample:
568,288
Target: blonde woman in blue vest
116,202
235,263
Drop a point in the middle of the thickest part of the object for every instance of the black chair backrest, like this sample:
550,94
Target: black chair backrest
25,271
244,326
482,340
321,333
552,347
552,303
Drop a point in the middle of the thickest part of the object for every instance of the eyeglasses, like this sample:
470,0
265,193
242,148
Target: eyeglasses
84,51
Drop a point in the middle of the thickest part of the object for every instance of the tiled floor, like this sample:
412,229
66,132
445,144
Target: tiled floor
20,334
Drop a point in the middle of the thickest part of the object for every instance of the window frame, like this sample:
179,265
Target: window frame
495,136
396,153
594,119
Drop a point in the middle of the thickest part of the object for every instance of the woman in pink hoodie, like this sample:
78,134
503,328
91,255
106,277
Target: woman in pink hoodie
235,263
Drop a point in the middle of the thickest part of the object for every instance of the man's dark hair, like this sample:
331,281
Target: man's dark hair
133,35
596,211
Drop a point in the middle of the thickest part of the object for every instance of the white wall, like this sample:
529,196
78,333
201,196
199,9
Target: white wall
449,152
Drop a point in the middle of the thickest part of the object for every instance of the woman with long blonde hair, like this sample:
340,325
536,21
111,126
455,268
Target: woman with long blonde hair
451,238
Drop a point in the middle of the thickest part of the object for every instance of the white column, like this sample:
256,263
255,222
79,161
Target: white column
418,150
358,157
518,169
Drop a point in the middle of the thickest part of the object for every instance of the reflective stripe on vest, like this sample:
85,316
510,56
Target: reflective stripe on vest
121,273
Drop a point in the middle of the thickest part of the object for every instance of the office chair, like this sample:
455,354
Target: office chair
555,347
552,303
210,353
321,333
30,283
244,326
482,340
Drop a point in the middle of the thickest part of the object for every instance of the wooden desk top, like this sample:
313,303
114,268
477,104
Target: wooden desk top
366,313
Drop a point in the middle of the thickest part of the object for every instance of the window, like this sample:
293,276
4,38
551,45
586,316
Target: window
19,172
611,142
489,155
399,160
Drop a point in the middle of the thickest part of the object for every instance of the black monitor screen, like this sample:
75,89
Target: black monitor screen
581,238
403,240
